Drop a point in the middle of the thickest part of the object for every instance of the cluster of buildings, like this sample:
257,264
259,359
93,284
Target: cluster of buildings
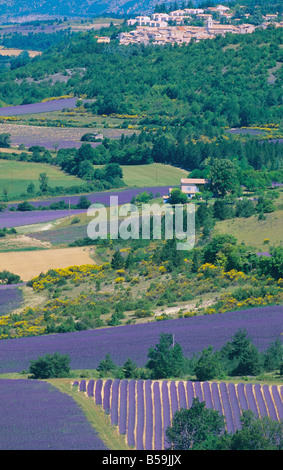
174,27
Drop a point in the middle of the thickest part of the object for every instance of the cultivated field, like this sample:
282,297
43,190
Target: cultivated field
16,176
17,52
28,264
54,137
153,175
142,410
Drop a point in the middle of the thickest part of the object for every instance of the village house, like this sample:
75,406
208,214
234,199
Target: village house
189,186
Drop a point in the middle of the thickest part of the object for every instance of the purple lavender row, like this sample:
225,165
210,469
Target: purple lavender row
106,395
235,405
123,402
278,401
114,402
227,408
97,393
83,385
260,401
148,416
182,395
251,399
217,405
207,395
242,397
269,402
131,413
90,388
166,411
140,415
190,393
173,397
157,417
198,391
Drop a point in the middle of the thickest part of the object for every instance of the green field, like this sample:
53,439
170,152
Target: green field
16,176
155,174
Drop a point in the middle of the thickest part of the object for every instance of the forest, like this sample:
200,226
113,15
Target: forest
202,87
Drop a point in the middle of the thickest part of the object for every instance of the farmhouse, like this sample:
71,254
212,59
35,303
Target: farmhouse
190,187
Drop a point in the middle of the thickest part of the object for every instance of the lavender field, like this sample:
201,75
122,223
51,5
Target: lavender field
87,348
35,108
142,410
17,218
37,416
11,297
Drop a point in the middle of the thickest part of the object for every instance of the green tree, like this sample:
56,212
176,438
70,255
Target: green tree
43,182
165,359
117,261
50,366
257,434
223,177
195,428
208,366
106,365
177,197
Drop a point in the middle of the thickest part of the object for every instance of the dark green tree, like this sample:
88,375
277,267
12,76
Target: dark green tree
195,428
50,366
165,359
208,365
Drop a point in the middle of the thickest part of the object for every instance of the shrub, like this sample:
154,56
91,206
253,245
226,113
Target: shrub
50,366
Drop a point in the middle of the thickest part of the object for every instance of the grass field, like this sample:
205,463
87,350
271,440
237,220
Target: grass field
16,176
28,264
155,174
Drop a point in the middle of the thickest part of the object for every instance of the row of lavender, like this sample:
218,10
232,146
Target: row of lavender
143,410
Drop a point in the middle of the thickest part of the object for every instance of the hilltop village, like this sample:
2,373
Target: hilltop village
182,26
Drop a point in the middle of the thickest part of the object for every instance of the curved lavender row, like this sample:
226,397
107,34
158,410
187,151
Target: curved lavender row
148,416
207,395
260,400
269,402
227,408
235,405
140,415
114,402
90,388
157,417
217,405
190,393
251,399
131,413
198,391
173,397
240,389
83,385
106,394
166,412
122,409
278,401
182,395
97,394
17,218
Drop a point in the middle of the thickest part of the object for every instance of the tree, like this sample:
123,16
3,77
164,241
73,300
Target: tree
106,365
165,359
5,140
177,197
50,366
31,189
130,369
43,182
223,177
257,434
117,261
208,365
243,356
194,428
